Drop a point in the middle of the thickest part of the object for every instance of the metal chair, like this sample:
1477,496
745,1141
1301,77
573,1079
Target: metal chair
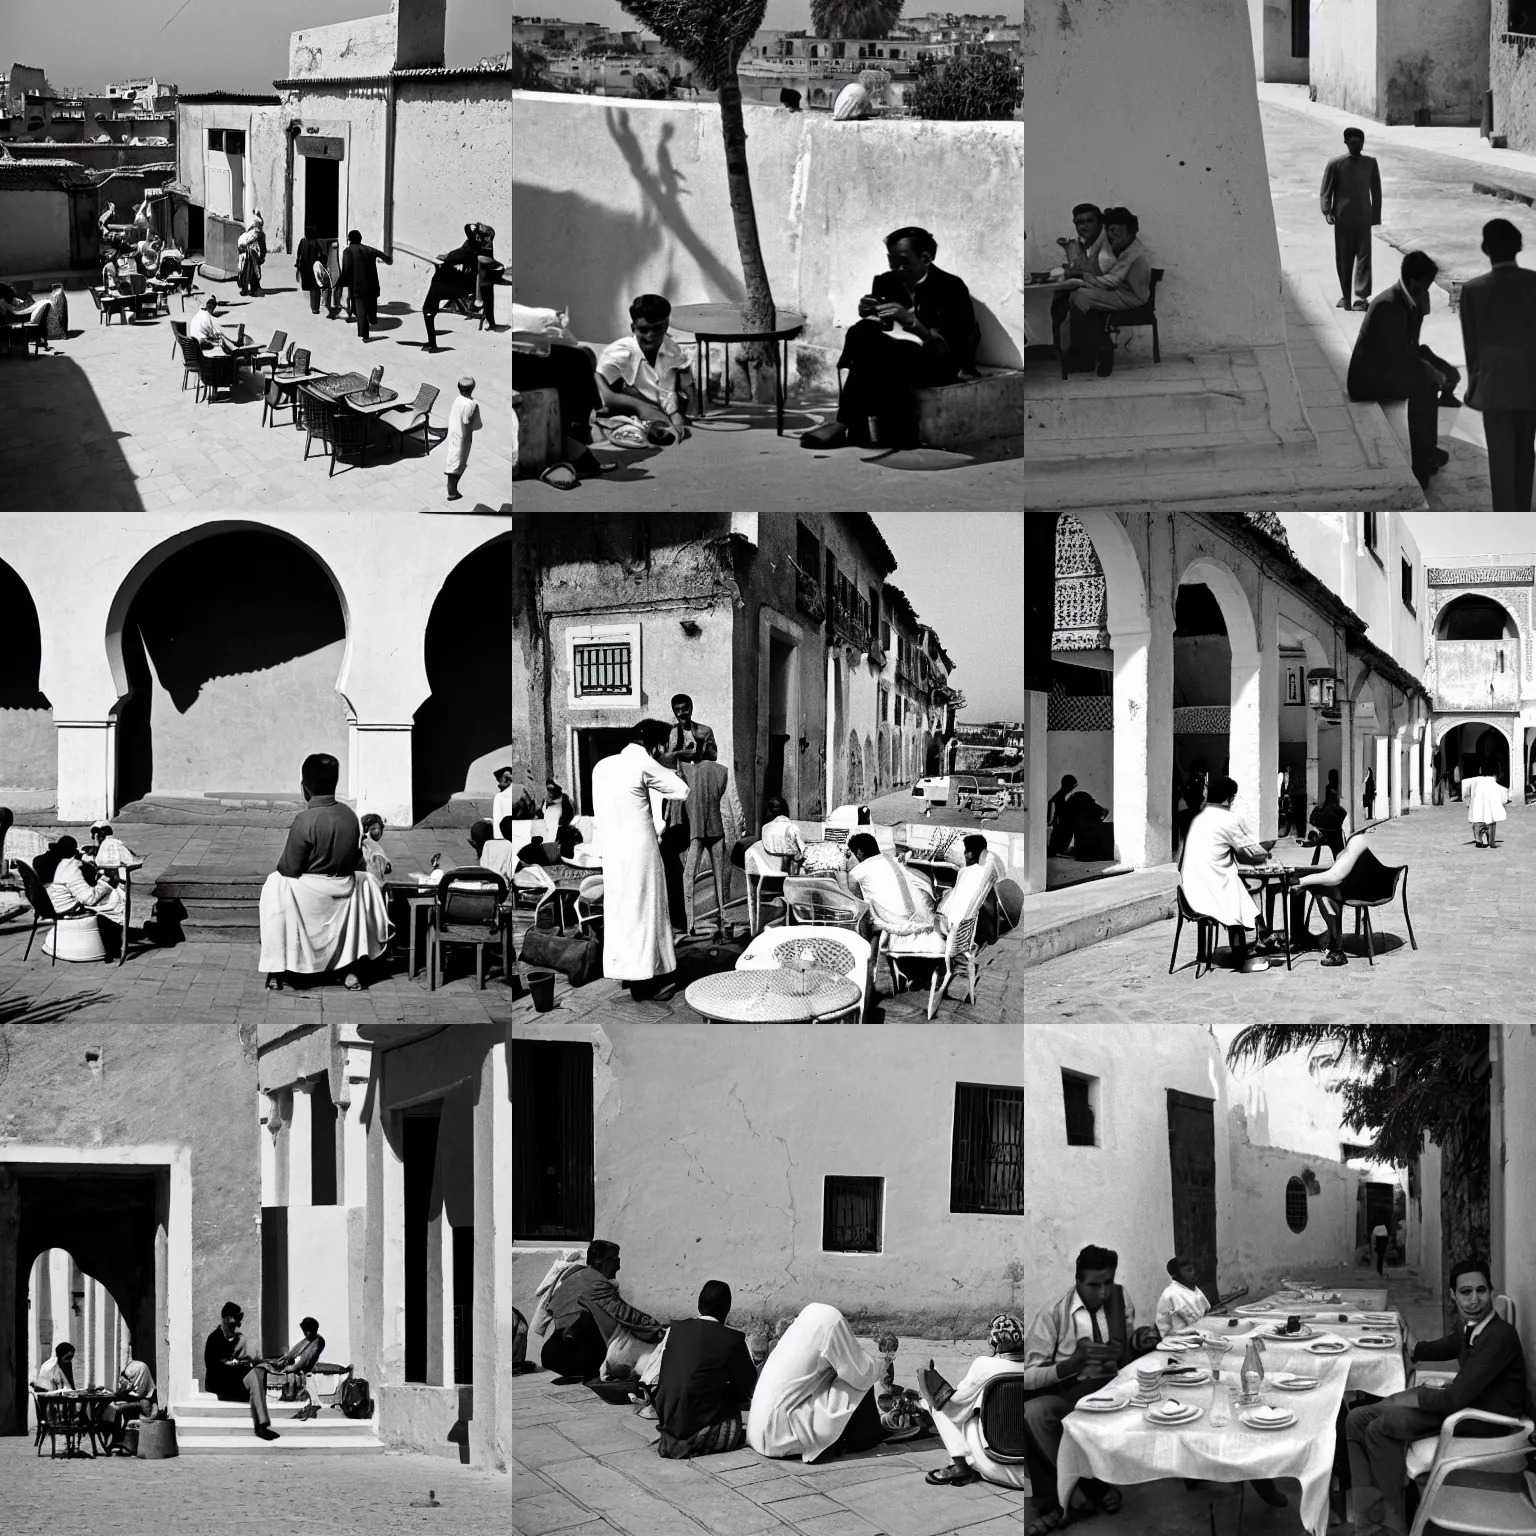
589,896
823,902
1207,930
1360,880
217,370
1460,1507
765,877
830,949
191,363
42,908
178,333
417,416
269,355
468,911
295,366
1145,314
275,400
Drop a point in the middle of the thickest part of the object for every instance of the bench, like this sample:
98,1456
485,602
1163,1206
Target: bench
972,410
538,432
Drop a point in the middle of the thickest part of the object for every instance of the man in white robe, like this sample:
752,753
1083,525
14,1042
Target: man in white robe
503,800
958,1420
637,931
319,910
1217,843
810,1388
1486,799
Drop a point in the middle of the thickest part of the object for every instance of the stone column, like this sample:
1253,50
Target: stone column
269,1119
380,754
1036,790
490,1430
1131,748
390,1207
301,1147
1267,683
13,1350
352,1177
87,769
1314,766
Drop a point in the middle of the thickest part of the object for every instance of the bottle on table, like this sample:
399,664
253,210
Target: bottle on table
1251,1374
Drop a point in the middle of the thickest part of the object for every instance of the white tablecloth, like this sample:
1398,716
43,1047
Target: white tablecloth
1377,1371
1123,1448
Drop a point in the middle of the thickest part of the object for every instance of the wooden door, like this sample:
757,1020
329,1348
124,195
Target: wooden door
1192,1163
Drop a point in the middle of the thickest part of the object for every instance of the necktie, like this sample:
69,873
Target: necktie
1093,1319
1470,1327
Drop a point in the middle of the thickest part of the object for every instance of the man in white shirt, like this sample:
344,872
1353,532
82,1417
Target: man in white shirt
1183,1303
57,1374
204,328
957,1412
644,374
501,804
1218,842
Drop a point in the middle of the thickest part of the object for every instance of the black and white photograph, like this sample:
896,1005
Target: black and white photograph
768,1116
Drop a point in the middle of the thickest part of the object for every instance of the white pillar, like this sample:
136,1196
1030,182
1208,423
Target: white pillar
392,1311
1036,790
1267,723
1314,771
301,1178
445,1231
269,1124
490,1431
60,1276
1130,745
352,1183
379,753
1384,774
87,752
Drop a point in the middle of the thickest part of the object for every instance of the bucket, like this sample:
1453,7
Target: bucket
157,1439
541,987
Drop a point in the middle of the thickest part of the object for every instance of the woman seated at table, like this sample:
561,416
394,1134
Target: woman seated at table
373,846
63,873
57,1372
135,1398
1323,884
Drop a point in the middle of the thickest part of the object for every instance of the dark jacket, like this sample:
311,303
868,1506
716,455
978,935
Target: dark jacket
457,271
1498,328
1388,343
706,1374
1352,190
226,1382
585,1290
1490,1375
943,303
360,272
304,259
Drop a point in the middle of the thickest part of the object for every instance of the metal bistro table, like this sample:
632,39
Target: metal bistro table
419,900
725,323
772,996
340,384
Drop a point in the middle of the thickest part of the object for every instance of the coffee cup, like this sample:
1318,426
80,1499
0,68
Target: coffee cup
1293,1325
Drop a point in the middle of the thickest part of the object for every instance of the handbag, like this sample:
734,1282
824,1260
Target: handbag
578,957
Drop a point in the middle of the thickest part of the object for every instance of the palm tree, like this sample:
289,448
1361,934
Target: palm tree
854,18
1412,1081
712,35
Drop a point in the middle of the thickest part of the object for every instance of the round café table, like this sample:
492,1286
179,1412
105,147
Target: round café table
771,996
726,323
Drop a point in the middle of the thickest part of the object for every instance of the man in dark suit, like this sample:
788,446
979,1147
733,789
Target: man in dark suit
1389,363
1498,328
1351,201
931,305
1490,1376
360,276
707,1377
585,1310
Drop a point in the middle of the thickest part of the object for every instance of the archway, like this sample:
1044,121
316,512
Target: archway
463,730
1475,616
69,1305
28,753
229,645
1475,746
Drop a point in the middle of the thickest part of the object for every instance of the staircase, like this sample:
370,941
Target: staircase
207,1427
222,905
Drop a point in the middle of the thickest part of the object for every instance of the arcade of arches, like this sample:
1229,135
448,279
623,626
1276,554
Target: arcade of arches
186,657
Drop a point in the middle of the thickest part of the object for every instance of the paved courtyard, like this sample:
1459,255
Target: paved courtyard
269,1495
1471,910
219,983
100,421
587,1467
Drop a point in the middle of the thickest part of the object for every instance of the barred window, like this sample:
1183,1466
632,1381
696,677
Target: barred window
986,1172
851,1214
1295,1205
602,669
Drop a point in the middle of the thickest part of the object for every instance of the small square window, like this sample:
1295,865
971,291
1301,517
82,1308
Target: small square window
1408,584
1078,1094
216,138
852,1214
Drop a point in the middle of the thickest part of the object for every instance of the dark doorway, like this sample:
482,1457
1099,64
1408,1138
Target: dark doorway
592,746
1192,1162
463,1305
781,658
1379,1210
468,655
418,1150
322,197
552,1173
194,230
322,1145
1301,29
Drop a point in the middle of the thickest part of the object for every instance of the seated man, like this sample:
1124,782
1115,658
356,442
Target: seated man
1182,1303
1125,284
571,371
1071,1349
135,1398
815,1395
646,373
780,836
1088,255
233,1374
1390,363
204,328
1490,1376
491,852
707,1378
299,1361
956,1411
586,1310
900,899
975,887
57,1372
319,910
1076,813
1218,842
937,345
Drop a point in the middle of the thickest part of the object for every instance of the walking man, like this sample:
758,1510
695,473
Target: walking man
360,275
1351,202
1498,329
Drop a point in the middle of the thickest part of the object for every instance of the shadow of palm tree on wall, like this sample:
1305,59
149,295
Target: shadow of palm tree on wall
665,189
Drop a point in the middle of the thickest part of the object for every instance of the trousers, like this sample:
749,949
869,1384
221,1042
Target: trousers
1420,384
882,374
1042,1436
1352,256
572,373
575,1351
1511,457
1378,1436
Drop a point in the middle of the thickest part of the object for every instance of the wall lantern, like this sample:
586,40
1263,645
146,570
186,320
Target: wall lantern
1322,688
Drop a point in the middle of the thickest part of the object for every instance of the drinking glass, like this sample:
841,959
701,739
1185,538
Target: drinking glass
1214,1350
1221,1405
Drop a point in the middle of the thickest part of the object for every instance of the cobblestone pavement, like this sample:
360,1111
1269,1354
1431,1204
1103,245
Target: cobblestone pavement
587,1467
220,982
270,1495
1472,913
101,421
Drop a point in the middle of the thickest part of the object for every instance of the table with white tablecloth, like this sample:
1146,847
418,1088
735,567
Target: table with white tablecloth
1122,1447
1381,1372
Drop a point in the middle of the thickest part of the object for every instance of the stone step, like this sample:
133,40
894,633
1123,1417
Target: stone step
1057,922
211,1427
286,1445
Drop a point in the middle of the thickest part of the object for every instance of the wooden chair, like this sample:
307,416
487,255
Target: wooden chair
1144,314
468,911
1207,930
403,420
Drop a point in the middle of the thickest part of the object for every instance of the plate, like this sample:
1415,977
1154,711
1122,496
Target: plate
1191,1412
1327,1347
1304,1332
1258,1306
1288,1383
1188,1375
1267,1418
1103,1402
1180,1346
1366,1341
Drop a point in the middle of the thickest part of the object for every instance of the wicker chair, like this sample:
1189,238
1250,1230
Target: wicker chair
275,399
318,415
178,333
218,372
1002,1418
349,434
295,366
191,362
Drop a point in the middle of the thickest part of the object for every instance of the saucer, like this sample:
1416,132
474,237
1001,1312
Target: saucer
1288,1383
1327,1347
1187,1414
1188,1376
1374,1341
1267,1418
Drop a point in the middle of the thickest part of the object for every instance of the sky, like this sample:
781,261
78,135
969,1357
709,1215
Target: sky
786,15
210,45
964,574
1440,534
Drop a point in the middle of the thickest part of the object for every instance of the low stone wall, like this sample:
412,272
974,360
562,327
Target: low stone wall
415,1417
615,198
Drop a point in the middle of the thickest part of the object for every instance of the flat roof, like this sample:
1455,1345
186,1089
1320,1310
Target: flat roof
397,74
210,98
